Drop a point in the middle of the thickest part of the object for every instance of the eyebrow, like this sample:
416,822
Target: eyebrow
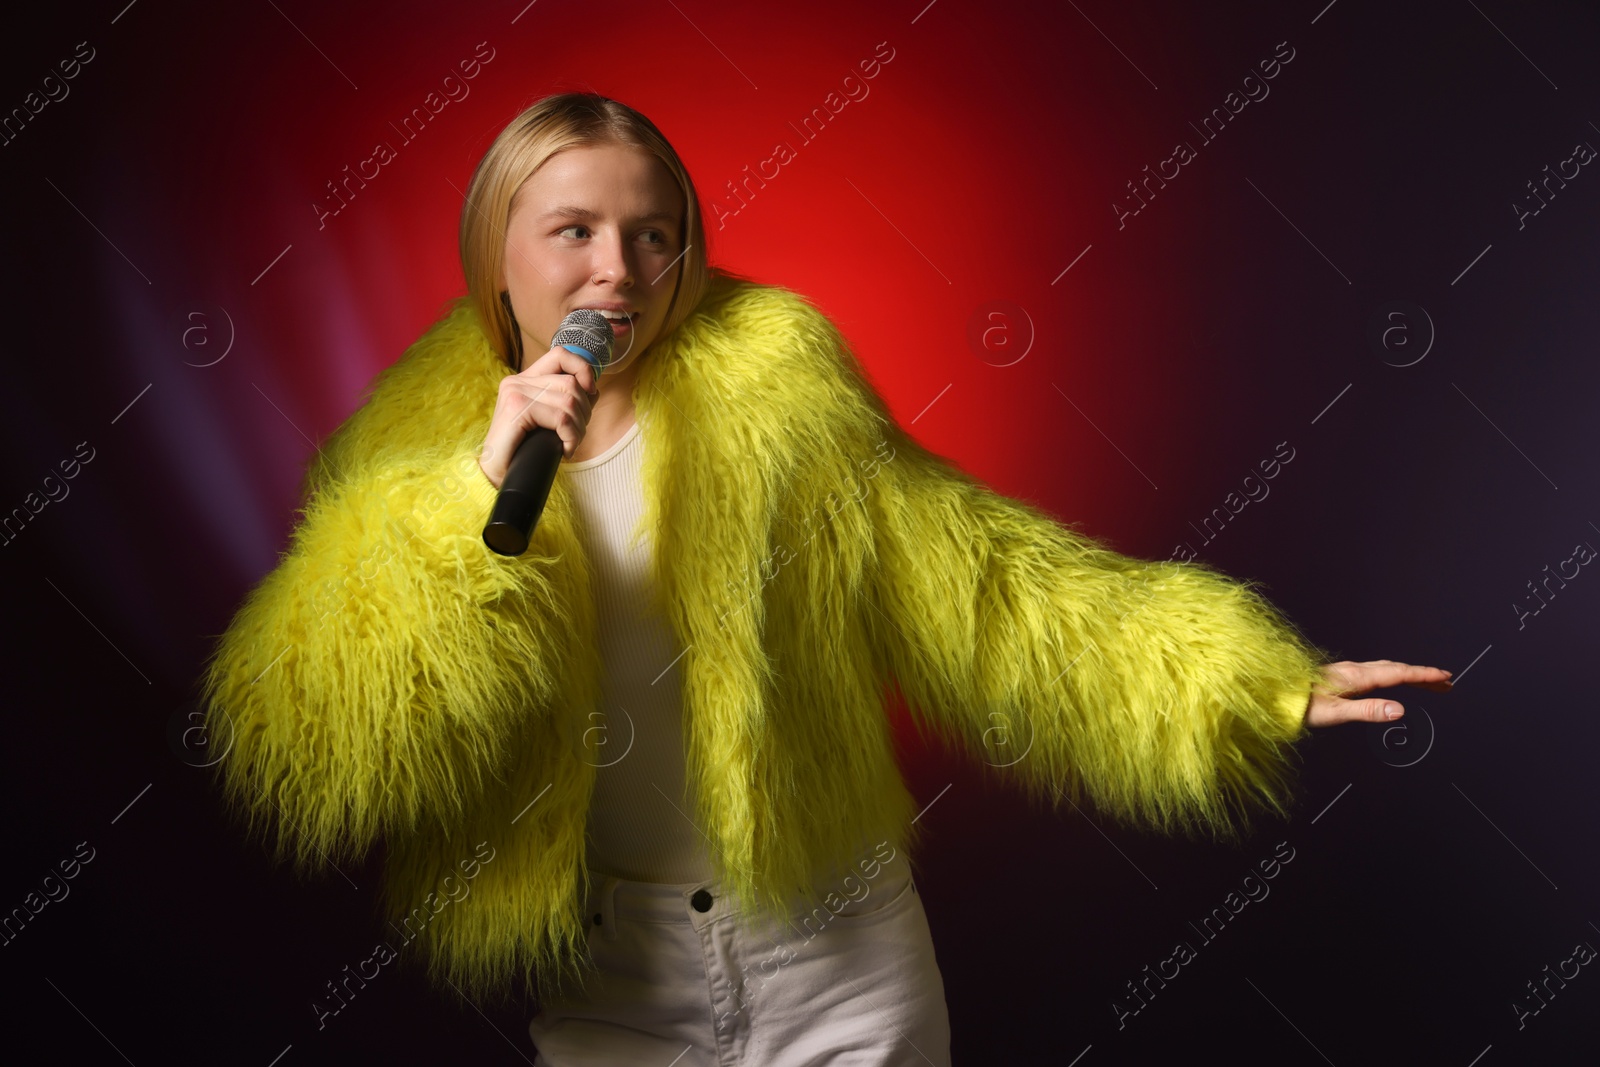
583,214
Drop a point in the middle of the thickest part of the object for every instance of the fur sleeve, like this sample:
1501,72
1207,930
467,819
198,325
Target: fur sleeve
1166,692
361,678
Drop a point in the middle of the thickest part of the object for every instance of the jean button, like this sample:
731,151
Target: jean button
701,900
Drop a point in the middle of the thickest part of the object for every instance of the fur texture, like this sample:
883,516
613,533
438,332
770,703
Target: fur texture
392,679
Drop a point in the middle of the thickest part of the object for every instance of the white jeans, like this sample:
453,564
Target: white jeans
852,982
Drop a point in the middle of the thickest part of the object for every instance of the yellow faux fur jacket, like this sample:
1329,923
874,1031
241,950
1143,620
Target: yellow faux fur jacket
394,680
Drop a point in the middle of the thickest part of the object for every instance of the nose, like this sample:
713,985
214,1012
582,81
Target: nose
612,261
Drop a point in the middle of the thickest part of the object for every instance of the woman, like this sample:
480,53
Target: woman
645,764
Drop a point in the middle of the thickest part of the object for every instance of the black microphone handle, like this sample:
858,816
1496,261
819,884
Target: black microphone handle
523,492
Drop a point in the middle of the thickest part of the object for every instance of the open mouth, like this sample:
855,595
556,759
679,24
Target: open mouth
620,324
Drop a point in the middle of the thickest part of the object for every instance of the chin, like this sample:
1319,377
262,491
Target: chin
613,369
633,350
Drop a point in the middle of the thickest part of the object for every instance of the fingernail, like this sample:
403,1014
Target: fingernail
1390,711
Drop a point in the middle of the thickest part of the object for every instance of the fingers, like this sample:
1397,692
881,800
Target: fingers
1350,677
561,360
569,425
553,401
1329,706
1375,710
559,398
1331,711
559,392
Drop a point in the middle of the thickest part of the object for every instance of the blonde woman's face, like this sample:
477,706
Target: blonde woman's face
594,227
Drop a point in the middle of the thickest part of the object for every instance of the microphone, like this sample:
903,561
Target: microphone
533,467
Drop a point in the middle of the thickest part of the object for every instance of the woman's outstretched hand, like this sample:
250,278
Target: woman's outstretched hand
1328,706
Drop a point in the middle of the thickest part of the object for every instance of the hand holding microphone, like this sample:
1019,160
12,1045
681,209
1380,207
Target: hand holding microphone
542,413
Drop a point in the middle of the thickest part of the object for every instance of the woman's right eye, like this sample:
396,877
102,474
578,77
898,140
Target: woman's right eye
574,226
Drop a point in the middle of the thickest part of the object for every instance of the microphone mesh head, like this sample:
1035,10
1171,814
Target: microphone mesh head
587,329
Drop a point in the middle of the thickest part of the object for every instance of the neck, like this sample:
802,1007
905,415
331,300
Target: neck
615,401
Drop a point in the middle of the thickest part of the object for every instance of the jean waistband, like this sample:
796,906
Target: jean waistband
700,903
649,901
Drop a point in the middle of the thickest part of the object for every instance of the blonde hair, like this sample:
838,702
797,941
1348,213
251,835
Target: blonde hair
555,123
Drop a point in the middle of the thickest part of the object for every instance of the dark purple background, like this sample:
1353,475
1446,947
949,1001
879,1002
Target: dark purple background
1229,315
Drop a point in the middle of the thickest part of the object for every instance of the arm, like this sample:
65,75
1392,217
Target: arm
360,676
1168,693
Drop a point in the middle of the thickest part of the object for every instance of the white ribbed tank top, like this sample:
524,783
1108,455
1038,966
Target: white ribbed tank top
640,817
